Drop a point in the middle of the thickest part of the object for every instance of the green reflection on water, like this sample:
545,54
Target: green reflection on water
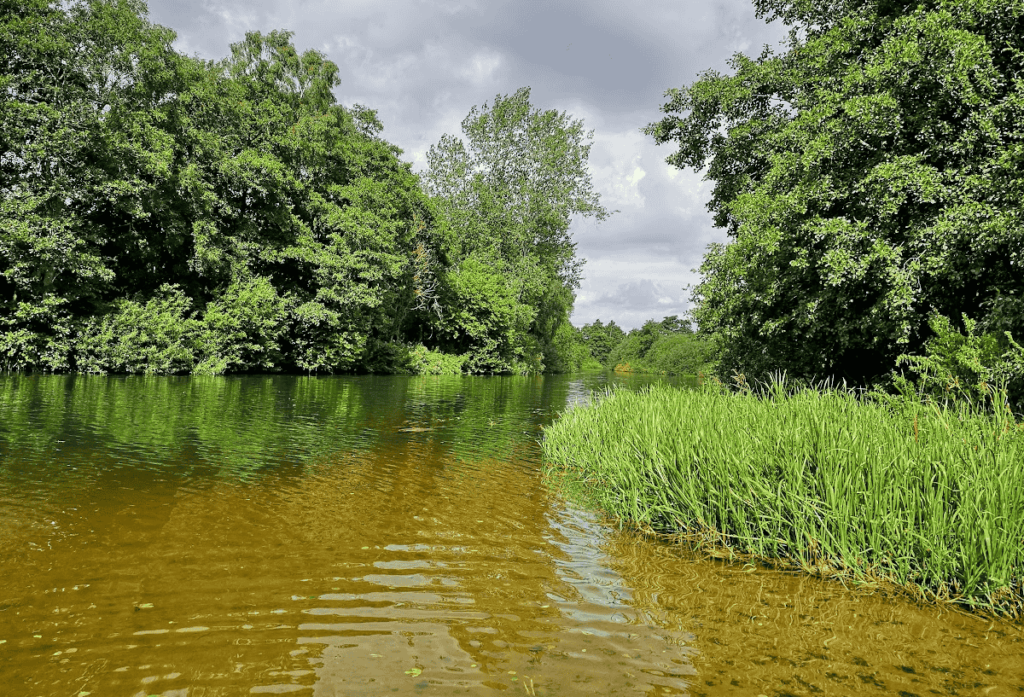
239,425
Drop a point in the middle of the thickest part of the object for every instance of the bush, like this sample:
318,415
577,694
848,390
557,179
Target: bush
567,352
37,335
666,347
156,337
682,354
967,366
243,329
423,361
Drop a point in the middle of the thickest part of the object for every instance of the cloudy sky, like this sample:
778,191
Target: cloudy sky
422,64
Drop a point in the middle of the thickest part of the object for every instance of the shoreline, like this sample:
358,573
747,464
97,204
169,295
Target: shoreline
897,506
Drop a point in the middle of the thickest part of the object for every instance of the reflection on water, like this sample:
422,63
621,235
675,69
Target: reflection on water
370,536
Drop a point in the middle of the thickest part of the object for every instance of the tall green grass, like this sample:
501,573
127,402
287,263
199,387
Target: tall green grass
926,496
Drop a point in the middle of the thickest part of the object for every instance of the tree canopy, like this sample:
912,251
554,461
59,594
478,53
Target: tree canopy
161,213
506,263
869,176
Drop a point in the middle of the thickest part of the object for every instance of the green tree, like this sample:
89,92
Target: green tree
867,176
669,346
504,264
140,188
294,189
601,338
83,89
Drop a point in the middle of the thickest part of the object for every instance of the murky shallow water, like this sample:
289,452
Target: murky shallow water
373,536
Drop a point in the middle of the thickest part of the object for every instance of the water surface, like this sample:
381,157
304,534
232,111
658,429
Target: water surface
388,535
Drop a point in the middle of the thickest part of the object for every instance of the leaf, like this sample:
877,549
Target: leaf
414,672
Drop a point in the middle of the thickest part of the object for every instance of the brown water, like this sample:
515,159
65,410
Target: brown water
375,536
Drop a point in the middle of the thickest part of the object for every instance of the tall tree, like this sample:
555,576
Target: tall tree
299,191
506,260
83,89
869,175
160,213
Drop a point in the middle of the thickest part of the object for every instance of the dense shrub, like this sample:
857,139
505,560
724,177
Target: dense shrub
968,366
38,334
669,347
423,361
157,336
681,354
243,329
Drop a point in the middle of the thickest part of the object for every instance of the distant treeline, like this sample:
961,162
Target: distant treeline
164,214
668,347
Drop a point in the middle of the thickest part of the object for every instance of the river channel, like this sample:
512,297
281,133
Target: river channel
393,535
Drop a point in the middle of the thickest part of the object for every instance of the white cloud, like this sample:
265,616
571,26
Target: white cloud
482,67
616,168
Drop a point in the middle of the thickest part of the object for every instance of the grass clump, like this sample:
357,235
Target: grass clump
929,497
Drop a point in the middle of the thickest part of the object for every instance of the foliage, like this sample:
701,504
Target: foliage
423,361
287,227
569,352
967,367
681,354
243,328
281,217
601,339
668,347
38,334
314,204
503,267
81,86
868,175
155,337
924,495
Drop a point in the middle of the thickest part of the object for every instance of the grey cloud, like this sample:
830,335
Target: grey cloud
632,303
642,293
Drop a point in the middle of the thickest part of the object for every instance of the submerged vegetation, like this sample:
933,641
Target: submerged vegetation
876,489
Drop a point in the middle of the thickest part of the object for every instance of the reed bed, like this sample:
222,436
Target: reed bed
921,495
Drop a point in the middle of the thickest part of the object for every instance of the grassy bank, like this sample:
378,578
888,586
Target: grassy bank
927,497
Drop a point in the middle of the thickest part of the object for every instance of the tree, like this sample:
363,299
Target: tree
601,338
669,346
160,213
674,325
868,176
82,87
300,191
508,193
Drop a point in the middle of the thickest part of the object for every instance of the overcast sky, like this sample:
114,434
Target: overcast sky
422,64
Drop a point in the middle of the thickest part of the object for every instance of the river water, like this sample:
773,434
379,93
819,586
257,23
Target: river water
392,535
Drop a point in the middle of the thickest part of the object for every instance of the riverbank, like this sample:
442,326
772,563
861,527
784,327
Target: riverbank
921,496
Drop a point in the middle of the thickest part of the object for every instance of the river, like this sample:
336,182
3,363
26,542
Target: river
394,535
